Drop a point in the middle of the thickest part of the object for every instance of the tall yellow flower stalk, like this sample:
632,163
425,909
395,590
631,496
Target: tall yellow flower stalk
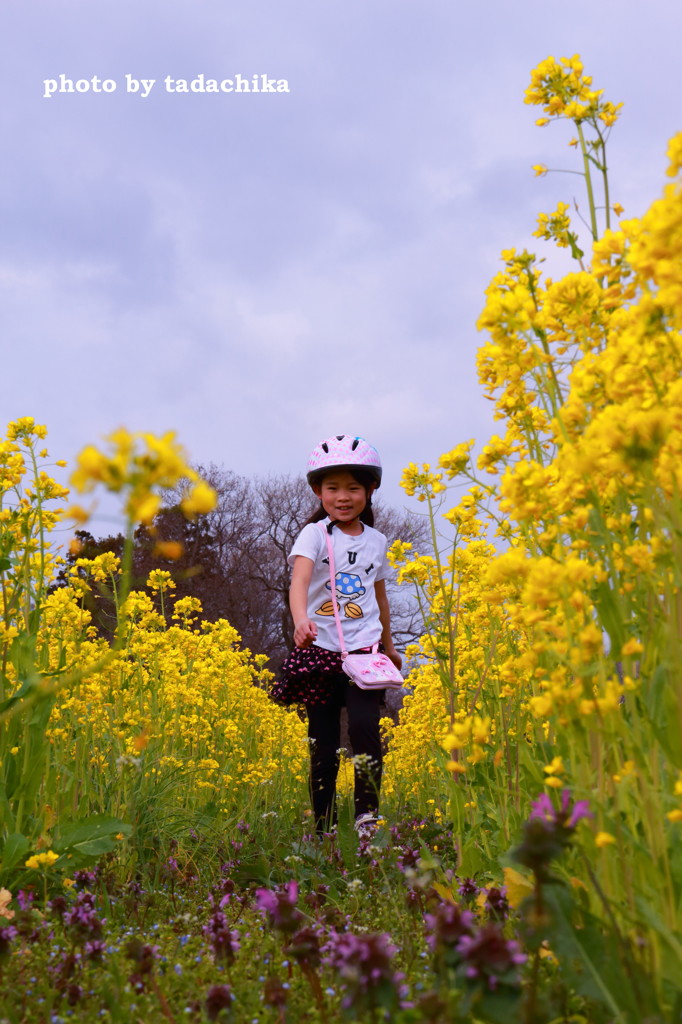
555,659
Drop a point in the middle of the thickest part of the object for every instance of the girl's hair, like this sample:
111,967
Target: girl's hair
364,477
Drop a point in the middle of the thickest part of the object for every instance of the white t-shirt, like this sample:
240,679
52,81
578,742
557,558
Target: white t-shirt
359,561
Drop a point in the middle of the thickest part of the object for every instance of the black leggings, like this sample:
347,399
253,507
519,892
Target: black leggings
324,730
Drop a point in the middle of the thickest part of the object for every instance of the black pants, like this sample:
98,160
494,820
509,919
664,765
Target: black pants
324,730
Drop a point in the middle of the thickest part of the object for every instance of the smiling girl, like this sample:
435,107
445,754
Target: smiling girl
343,471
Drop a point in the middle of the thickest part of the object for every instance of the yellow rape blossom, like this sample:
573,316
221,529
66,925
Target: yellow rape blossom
39,860
455,461
200,500
421,481
161,580
139,464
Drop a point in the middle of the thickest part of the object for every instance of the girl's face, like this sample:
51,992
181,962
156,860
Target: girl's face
343,497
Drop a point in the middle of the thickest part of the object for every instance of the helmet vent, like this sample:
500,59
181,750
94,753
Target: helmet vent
325,447
340,437
355,443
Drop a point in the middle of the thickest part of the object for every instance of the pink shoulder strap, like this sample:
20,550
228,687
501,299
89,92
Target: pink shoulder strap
332,578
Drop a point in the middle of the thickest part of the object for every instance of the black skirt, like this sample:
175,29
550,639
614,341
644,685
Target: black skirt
310,675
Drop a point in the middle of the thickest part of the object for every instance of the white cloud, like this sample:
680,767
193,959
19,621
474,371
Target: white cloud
258,272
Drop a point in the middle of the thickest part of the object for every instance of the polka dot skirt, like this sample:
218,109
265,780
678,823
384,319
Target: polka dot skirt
310,675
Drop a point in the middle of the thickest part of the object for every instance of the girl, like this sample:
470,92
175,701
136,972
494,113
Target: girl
343,471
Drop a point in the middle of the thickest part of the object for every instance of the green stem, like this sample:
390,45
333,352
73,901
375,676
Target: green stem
41,531
588,181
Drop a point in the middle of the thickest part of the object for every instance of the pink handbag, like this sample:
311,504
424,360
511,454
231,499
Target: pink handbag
374,671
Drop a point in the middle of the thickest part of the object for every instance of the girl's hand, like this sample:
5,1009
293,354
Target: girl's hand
305,633
390,652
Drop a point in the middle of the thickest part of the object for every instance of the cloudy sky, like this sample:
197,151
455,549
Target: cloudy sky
258,271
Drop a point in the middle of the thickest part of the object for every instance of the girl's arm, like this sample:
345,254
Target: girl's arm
305,630
385,616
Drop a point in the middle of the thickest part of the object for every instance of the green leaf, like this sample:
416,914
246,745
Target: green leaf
89,838
472,857
576,252
662,710
609,616
589,956
456,805
672,940
499,1007
15,849
655,694
26,688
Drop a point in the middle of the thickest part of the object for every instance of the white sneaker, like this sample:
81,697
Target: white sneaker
366,825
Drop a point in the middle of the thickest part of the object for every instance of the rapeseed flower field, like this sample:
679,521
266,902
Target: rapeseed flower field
156,855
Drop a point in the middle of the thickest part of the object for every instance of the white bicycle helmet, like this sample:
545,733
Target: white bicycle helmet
343,452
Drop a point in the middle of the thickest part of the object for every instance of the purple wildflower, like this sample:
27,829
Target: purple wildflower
172,867
218,998
225,943
548,831
64,969
364,964
280,907
497,904
581,809
445,927
317,897
73,993
144,957
468,889
413,899
408,857
85,879
487,956
227,886
94,951
58,906
81,921
274,992
543,808
25,898
566,816
304,947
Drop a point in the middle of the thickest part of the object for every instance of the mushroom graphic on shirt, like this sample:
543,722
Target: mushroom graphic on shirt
348,585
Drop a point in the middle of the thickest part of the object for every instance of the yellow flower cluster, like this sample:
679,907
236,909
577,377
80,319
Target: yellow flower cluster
177,719
562,90
40,860
180,711
412,757
139,464
27,563
555,226
422,482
